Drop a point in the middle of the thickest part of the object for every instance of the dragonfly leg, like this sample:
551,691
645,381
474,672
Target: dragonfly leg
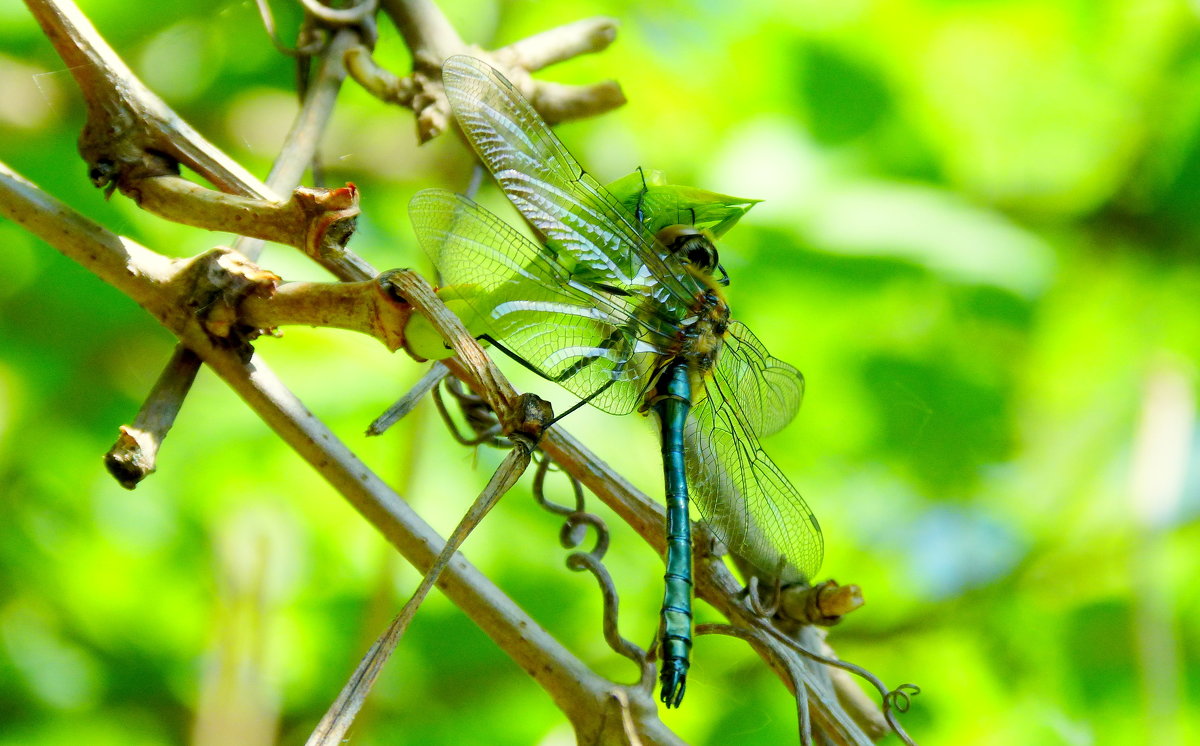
581,402
639,211
608,343
672,409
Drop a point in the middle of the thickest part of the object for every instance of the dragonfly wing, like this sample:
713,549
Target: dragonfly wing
767,390
572,211
741,493
582,337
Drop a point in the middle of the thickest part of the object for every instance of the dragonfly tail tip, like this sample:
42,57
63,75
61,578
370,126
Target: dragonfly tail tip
674,683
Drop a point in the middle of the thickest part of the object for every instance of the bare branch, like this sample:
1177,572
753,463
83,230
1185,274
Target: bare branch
136,449
560,44
432,39
126,121
379,81
405,404
134,454
824,603
134,270
317,221
366,307
337,721
300,145
156,283
131,135
564,103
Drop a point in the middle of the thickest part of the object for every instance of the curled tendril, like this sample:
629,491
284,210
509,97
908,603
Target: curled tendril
312,44
581,561
900,698
891,697
894,700
539,484
478,415
575,528
754,599
358,14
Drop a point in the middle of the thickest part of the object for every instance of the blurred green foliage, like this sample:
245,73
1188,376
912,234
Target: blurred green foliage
976,240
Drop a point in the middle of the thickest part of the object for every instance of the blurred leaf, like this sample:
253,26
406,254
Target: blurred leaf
843,96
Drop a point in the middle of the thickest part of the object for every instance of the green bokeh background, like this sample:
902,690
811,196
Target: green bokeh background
977,241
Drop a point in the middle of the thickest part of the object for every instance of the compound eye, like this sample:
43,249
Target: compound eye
703,255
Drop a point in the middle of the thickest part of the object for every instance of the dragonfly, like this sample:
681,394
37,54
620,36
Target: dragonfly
620,302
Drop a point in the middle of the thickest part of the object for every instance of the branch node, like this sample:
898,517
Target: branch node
221,280
331,216
528,419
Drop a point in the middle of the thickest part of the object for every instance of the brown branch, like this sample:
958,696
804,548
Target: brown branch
134,455
316,221
432,39
126,122
131,135
560,44
824,603
164,287
368,307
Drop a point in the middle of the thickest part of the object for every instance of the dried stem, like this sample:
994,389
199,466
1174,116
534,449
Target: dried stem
436,373
366,307
134,455
560,44
432,40
163,287
340,716
317,221
126,122
134,142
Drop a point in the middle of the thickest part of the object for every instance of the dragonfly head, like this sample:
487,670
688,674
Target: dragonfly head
693,247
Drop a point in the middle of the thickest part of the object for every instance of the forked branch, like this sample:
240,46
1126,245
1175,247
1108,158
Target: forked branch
134,143
164,288
432,39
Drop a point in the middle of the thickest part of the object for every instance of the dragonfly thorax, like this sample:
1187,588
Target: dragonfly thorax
697,344
702,340
691,246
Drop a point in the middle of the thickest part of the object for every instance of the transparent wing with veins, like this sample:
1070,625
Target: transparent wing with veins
595,236
741,493
584,337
